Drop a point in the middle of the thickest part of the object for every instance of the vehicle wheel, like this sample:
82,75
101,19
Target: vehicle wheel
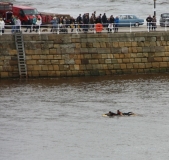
136,24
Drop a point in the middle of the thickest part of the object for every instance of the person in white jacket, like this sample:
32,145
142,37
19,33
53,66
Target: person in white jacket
38,23
18,24
2,25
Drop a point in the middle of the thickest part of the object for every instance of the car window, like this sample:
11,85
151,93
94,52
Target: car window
130,16
123,16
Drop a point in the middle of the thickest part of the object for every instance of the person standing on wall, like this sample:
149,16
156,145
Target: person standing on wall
29,24
2,25
149,20
18,24
79,21
116,22
34,22
111,24
38,23
13,22
154,26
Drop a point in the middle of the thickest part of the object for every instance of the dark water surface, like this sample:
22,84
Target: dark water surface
49,119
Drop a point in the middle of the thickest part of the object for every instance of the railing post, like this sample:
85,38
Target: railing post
1,30
39,29
165,27
20,28
112,29
94,29
76,29
148,27
130,26
58,29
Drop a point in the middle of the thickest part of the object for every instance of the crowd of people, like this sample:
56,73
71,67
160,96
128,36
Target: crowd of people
80,23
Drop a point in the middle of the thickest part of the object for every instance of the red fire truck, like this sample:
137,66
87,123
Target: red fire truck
7,9
23,12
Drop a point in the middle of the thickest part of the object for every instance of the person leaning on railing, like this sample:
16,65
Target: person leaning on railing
154,26
38,23
18,24
13,22
2,25
34,20
149,20
29,24
116,21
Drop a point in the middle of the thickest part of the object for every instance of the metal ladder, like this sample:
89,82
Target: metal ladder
21,54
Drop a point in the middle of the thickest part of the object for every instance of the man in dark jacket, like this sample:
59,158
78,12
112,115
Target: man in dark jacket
104,19
149,20
29,24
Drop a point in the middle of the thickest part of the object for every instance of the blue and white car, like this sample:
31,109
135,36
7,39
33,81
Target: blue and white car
126,20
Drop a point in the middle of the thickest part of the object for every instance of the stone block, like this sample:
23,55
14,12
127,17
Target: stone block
77,61
126,60
127,44
78,45
37,67
107,61
56,46
155,64
96,45
87,56
120,60
116,66
110,66
115,44
84,50
84,61
61,61
141,65
96,56
116,55
103,50
124,50
37,57
57,57
163,64
134,44
129,65
52,51
103,45
144,60
93,61
32,62
89,66
114,61
104,66
165,59
135,65
138,60
123,66
76,67
34,74
116,50
109,56
101,61
82,67
158,59
104,56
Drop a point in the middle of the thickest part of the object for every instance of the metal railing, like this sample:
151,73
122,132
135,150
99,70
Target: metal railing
81,28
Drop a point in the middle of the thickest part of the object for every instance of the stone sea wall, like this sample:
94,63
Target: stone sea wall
53,55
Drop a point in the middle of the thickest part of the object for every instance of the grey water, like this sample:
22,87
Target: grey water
61,118
141,8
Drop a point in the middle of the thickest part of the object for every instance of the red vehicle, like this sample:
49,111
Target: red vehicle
23,12
6,11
